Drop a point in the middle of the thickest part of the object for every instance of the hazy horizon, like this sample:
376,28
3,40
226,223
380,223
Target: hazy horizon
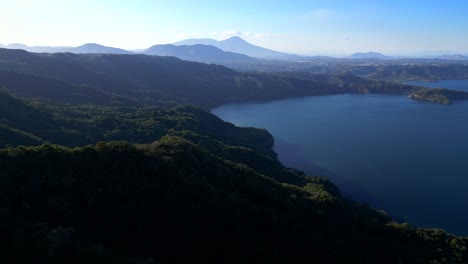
323,27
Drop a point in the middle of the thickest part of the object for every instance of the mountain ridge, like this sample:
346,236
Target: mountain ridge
198,52
230,45
239,45
85,48
369,55
97,48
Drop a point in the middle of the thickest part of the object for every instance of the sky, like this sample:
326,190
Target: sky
308,27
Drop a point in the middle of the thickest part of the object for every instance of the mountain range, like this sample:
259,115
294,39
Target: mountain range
239,45
86,48
230,45
369,55
199,53
236,50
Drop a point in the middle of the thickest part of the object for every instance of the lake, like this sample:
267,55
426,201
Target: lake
409,158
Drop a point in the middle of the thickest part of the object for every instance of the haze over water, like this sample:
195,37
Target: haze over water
407,157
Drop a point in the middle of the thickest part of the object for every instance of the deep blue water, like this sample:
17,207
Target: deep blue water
407,157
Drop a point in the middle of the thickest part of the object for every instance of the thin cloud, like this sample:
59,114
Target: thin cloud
345,37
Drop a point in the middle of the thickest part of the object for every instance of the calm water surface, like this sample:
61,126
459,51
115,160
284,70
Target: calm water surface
408,157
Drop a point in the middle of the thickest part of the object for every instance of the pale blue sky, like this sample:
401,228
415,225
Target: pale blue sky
303,26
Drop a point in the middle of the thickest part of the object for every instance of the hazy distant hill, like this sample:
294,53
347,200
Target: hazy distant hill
202,41
17,46
199,52
96,48
37,49
86,48
369,55
453,57
238,45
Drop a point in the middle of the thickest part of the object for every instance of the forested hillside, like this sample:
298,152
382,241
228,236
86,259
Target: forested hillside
172,200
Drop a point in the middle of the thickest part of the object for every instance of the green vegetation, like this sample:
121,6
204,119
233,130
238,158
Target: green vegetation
201,189
172,200
437,95
81,125
189,187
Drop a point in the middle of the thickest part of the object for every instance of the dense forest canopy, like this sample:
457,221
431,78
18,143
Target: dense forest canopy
173,200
